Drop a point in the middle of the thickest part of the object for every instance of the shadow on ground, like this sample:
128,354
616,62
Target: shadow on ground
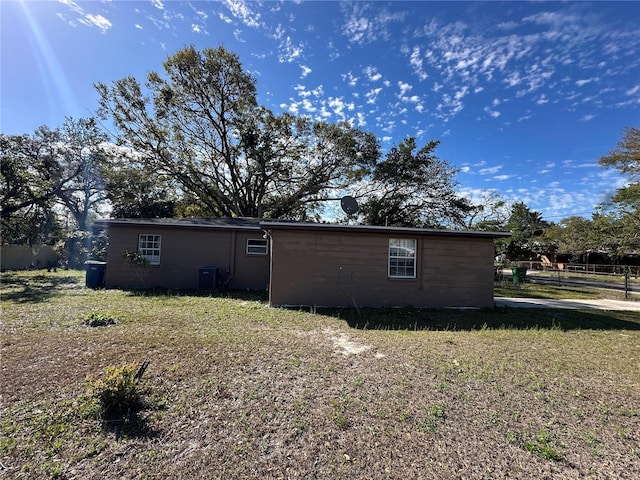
247,295
37,287
499,318
134,425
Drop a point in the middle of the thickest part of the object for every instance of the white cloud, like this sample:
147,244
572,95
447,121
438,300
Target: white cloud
372,74
305,71
415,60
404,88
241,11
372,95
542,99
87,19
490,170
586,118
507,25
363,24
352,81
633,90
96,21
288,52
491,113
582,82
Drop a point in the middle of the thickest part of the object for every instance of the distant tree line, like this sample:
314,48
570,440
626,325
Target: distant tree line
194,142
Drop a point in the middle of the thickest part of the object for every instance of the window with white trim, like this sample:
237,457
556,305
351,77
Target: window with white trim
257,246
149,247
402,258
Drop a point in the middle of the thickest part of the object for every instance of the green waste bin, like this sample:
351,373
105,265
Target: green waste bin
519,274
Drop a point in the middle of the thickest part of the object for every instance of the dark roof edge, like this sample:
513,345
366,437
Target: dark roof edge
335,227
216,223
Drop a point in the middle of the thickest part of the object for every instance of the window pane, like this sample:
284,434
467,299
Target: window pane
257,246
402,254
149,248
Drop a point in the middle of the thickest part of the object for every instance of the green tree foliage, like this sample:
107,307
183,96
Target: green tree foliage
625,203
134,193
82,160
489,215
574,236
30,180
201,125
61,166
527,233
414,188
51,178
625,158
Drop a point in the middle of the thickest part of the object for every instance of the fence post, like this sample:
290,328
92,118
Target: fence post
626,283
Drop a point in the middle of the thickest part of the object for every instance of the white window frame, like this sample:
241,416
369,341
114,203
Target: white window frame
402,257
149,247
257,246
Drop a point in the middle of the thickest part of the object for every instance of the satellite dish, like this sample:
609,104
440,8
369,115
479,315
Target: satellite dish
349,205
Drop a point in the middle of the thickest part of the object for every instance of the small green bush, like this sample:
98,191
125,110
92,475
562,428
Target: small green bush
119,391
97,319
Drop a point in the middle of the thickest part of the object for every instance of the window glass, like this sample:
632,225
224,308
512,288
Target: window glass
402,258
257,246
149,248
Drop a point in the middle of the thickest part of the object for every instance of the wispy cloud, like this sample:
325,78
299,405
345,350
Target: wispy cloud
288,51
87,19
363,24
242,11
490,170
372,74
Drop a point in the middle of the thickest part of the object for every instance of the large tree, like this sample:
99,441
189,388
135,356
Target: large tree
83,161
62,166
413,187
625,203
527,229
625,158
490,214
200,125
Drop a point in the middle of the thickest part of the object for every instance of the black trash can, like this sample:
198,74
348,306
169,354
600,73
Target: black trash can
519,274
95,273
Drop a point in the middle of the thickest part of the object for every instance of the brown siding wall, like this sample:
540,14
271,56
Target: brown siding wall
338,269
183,252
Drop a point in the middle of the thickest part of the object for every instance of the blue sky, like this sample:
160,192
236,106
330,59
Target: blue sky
524,97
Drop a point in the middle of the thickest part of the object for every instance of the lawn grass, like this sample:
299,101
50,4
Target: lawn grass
235,389
541,290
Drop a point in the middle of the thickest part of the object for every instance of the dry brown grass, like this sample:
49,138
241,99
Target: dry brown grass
240,390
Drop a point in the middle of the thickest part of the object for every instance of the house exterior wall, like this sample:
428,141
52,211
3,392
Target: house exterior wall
345,269
183,252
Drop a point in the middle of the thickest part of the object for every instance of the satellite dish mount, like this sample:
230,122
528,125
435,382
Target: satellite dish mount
349,205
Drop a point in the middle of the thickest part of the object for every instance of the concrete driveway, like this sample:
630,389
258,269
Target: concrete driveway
602,304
